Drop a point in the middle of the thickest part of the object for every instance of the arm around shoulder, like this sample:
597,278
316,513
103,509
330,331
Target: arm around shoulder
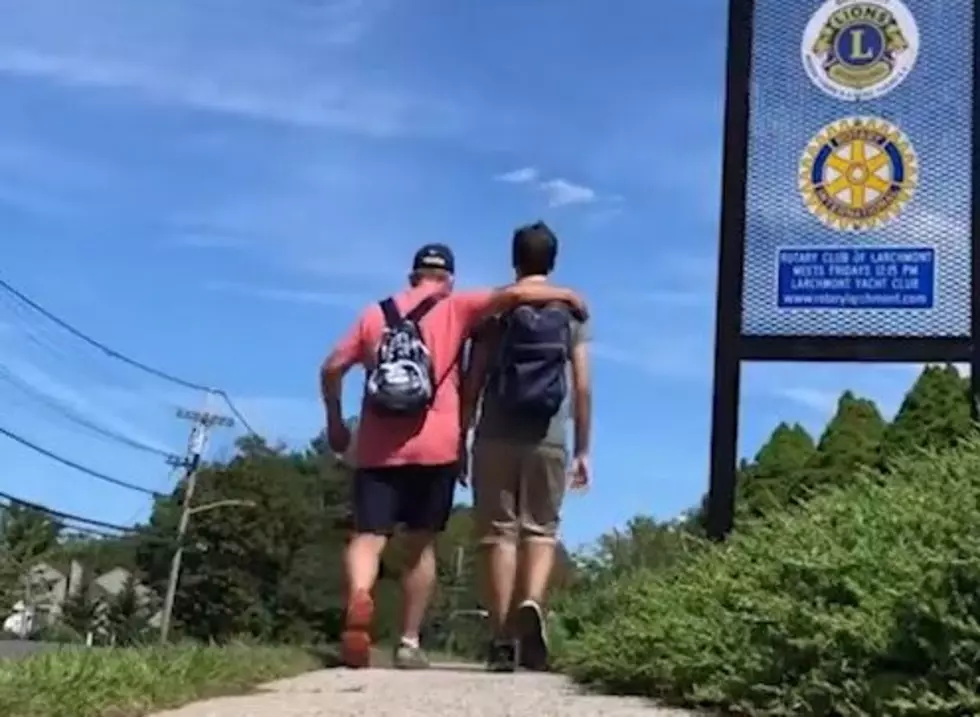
479,305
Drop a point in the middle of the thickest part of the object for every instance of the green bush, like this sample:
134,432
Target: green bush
867,603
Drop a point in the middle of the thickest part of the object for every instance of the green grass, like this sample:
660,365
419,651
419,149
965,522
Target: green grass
79,682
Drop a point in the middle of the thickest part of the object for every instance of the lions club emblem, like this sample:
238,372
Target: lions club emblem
860,49
857,174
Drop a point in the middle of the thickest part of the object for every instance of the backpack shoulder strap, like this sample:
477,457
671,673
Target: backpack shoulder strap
424,307
390,311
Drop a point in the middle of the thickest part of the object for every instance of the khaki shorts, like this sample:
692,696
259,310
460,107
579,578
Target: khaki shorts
517,490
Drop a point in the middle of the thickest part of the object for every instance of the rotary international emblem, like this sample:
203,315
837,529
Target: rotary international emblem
860,49
858,173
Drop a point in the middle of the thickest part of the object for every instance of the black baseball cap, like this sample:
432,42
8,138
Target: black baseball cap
434,256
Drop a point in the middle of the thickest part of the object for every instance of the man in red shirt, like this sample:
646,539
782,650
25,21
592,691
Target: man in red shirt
408,461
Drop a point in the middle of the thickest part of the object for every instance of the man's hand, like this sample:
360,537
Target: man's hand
579,308
338,435
580,474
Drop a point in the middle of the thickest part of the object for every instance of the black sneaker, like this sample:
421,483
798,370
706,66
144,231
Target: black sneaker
533,653
502,656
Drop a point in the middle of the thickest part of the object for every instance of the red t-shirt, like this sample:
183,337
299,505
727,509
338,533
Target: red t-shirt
432,439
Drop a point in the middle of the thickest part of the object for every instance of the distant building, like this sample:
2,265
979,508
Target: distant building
46,588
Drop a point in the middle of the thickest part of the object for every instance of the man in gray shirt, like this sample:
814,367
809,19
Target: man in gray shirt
520,463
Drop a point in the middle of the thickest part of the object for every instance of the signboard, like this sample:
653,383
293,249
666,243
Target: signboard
859,162
844,278
850,220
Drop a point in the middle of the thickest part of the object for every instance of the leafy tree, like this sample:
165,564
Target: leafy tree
769,482
263,570
26,535
935,414
850,441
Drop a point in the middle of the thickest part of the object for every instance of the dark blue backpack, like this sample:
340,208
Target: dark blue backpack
530,378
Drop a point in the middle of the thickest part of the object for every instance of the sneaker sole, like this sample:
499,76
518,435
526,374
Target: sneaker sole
501,669
533,652
355,649
406,665
355,642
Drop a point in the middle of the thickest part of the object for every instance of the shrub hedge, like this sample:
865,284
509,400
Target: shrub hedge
866,603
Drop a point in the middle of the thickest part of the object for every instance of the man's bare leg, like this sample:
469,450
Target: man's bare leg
500,578
500,562
362,561
418,581
537,563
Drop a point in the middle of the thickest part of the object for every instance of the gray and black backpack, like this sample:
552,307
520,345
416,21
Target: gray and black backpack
402,381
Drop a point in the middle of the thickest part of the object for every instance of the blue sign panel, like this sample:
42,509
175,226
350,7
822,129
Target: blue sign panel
845,278
858,196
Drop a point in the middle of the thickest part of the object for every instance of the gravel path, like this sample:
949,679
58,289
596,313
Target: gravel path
439,692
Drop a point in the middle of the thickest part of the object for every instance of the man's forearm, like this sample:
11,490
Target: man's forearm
583,421
529,292
331,386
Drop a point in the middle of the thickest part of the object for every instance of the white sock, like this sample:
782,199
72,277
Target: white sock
410,642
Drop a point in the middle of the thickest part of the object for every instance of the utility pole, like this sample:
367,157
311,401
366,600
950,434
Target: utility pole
203,422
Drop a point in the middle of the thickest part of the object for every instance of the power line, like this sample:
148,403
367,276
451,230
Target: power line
101,346
55,343
66,516
159,373
76,417
69,529
236,413
71,464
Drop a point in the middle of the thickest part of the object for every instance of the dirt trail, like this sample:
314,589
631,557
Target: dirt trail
444,691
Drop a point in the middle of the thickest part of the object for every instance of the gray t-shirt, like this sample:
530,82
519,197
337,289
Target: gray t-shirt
496,424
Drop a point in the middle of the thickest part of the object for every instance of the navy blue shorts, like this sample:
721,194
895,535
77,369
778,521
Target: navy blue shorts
416,498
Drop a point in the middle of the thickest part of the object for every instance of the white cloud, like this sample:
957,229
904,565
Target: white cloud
668,298
205,240
561,193
683,281
288,63
294,296
817,399
328,104
102,406
288,418
817,387
519,176
677,357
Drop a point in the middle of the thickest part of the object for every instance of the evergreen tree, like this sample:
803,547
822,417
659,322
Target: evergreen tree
80,611
769,482
851,440
934,415
127,616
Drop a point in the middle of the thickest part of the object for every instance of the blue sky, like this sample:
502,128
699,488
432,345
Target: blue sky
217,186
